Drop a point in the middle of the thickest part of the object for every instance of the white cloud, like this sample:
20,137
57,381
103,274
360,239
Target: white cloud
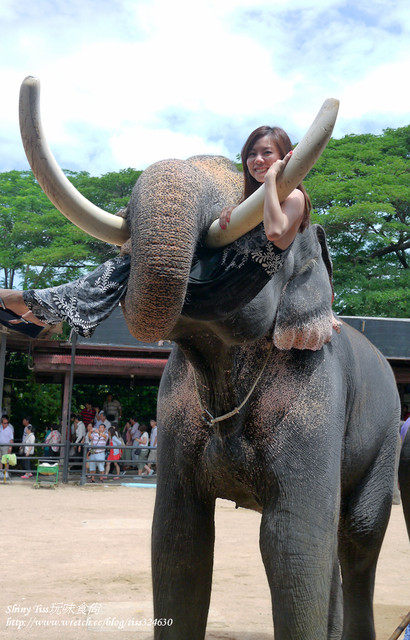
382,90
157,143
126,82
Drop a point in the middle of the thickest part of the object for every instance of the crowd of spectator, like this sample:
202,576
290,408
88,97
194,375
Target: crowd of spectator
101,431
108,441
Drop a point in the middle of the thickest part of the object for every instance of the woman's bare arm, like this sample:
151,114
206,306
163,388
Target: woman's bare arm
281,220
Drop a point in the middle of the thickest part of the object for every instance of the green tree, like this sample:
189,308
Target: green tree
110,192
39,247
360,192
40,401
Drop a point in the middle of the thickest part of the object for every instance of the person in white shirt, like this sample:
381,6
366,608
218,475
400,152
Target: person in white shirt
152,457
28,450
112,408
6,437
97,452
102,419
78,429
143,441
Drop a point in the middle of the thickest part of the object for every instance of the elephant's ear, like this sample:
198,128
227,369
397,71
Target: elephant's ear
304,316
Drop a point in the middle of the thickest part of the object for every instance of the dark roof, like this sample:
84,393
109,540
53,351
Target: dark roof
114,332
390,335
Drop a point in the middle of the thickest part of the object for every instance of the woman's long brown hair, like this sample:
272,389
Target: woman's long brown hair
282,142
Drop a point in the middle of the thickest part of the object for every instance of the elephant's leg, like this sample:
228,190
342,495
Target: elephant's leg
182,559
364,518
335,623
298,543
404,479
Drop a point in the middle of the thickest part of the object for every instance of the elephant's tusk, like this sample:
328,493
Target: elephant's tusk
249,213
58,188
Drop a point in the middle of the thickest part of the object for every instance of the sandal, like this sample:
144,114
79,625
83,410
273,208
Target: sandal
24,326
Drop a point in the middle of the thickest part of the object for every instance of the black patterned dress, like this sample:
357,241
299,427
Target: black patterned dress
221,282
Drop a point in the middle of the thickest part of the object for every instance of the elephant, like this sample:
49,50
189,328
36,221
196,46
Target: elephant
304,436
404,478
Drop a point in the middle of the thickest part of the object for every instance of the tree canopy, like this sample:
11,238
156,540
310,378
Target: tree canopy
39,247
360,192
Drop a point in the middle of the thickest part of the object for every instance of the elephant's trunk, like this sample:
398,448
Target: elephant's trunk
163,217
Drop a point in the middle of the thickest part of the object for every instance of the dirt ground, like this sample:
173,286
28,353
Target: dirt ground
76,562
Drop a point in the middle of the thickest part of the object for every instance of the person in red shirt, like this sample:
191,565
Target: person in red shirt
88,413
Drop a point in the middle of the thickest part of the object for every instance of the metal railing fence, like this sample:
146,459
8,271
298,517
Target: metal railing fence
74,467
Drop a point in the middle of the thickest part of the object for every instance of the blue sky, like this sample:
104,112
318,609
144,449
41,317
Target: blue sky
128,82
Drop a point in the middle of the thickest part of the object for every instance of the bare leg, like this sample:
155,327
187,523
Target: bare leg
13,300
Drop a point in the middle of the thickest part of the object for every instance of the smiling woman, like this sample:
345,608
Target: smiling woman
264,156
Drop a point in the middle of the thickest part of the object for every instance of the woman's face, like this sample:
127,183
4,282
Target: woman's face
261,156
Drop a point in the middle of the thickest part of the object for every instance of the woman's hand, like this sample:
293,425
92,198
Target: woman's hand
277,167
225,215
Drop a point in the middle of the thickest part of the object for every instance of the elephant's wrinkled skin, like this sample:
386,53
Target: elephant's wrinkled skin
313,448
404,478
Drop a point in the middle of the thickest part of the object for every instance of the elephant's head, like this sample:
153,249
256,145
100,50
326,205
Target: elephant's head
171,209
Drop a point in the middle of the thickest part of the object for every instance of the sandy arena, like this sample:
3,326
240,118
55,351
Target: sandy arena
76,562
